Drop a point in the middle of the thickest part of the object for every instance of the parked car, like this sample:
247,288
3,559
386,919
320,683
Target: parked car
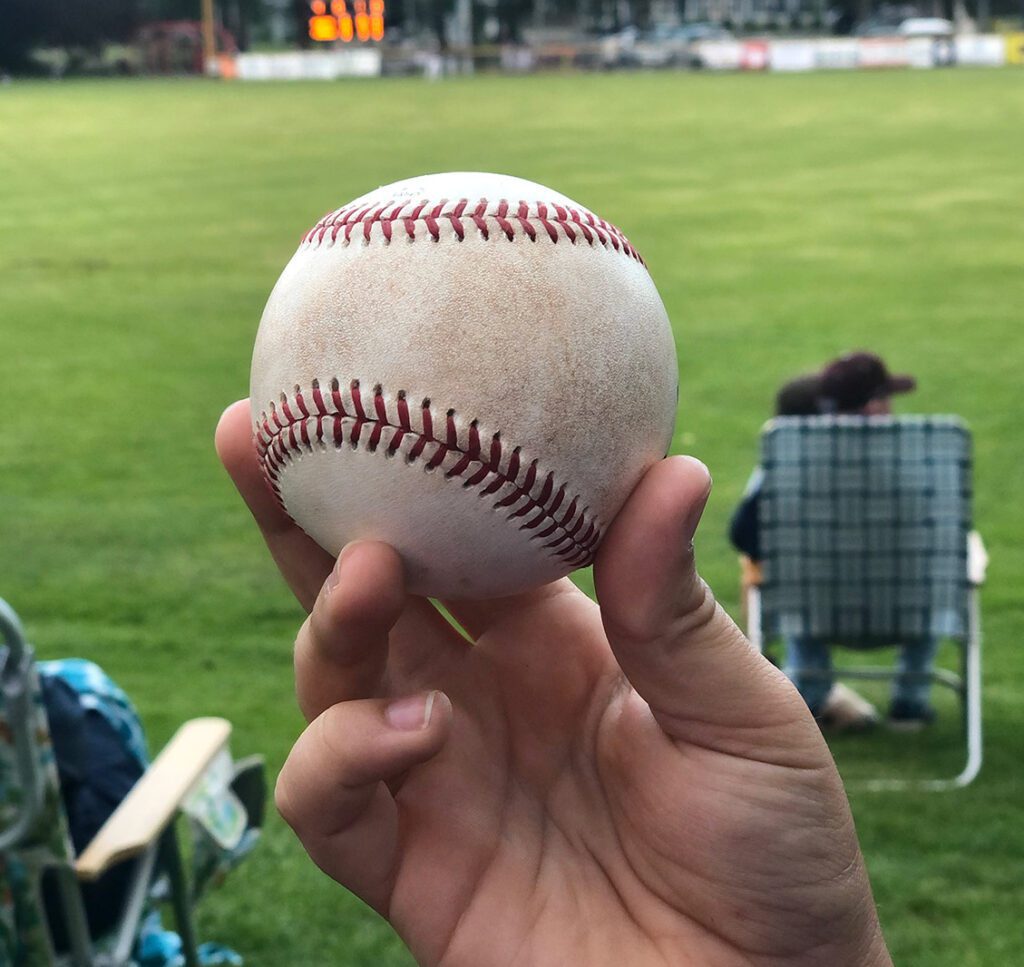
674,46
926,27
616,48
877,27
886,20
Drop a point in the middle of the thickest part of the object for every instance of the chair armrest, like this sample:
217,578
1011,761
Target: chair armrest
153,801
750,572
977,559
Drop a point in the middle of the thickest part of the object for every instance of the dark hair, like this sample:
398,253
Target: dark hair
799,397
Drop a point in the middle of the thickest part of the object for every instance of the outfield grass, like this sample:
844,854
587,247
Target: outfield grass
784,218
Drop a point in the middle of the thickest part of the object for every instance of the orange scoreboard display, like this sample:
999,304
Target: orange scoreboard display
347,20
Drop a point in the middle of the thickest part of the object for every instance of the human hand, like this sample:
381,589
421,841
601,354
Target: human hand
628,784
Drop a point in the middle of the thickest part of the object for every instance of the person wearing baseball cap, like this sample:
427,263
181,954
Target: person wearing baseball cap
856,384
860,383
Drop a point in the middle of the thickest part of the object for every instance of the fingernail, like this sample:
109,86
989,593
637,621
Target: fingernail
412,713
335,576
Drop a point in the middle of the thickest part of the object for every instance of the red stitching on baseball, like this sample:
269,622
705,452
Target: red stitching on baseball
511,219
287,431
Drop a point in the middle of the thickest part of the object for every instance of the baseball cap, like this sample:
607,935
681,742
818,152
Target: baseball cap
852,381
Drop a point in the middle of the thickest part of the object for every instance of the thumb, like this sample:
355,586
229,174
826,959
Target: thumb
332,790
679,649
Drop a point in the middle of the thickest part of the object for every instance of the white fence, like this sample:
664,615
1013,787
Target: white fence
757,54
983,50
308,65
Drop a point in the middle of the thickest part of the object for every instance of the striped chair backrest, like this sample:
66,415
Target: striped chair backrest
863,528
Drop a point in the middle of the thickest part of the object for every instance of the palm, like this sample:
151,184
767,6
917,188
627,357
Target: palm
629,785
576,818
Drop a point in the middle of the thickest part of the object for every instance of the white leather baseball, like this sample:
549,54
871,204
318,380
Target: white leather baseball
469,367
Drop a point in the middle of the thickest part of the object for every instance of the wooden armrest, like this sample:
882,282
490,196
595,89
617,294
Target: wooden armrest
146,811
750,571
977,558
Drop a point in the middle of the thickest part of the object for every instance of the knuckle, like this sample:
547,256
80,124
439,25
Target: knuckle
691,610
697,614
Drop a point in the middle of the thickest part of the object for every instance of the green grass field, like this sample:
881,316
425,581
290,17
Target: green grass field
784,218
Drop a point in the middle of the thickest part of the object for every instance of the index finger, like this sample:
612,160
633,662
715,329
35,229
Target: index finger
303,563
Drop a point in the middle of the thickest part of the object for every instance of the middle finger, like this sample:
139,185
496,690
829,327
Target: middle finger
362,613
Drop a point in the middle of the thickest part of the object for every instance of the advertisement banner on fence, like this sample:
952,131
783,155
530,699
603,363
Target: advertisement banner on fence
883,52
754,55
1015,49
926,52
792,55
983,50
309,65
838,54
919,52
718,55
850,53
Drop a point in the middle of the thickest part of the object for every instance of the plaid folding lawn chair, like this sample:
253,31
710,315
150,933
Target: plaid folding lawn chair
866,542
193,774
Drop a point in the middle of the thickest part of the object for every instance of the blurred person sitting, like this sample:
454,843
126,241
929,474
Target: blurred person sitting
857,384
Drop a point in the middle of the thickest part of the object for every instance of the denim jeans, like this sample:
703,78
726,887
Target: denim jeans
809,667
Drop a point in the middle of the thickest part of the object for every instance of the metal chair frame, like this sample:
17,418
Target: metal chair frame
966,685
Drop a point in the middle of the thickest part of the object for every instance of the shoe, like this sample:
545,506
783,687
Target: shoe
905,716
843,710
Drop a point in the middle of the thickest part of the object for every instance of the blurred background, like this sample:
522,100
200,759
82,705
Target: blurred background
801,178
275,38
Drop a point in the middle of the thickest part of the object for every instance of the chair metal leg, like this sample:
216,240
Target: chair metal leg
138,893
181,898
972,695
754,631
967,685
17,700
73,911
969,689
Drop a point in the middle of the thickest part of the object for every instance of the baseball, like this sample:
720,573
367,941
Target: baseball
470,367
